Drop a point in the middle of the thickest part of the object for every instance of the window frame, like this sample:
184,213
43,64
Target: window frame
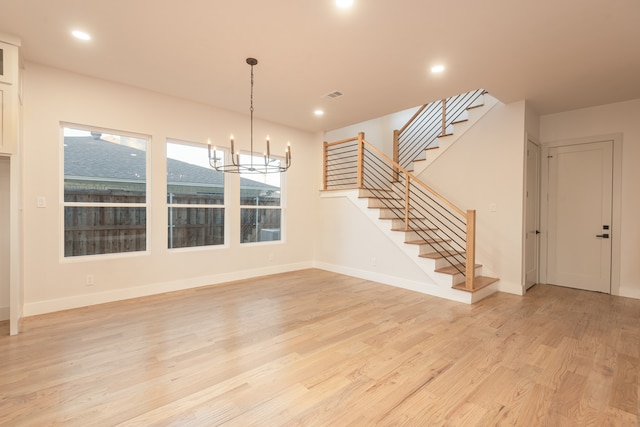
224,206
64,204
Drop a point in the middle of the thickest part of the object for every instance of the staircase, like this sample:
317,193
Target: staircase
437,235
433,233
435,127
432,251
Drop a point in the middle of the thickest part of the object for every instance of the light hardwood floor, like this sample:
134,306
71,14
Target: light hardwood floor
313,348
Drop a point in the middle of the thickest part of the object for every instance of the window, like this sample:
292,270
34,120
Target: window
105,192
260,205
195,197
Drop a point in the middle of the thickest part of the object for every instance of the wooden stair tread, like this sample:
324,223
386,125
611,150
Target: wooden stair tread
479,282
445,135
395,209
414,229
438,255
453,270
373,189
425,242
401,218
380,198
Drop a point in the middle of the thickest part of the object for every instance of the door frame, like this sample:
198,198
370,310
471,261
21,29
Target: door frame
616,211
537,218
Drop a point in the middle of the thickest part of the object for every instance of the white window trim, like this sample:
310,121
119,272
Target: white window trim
225,205
62,204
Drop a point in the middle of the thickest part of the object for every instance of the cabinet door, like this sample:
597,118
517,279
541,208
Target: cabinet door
3,119
7,53
7,142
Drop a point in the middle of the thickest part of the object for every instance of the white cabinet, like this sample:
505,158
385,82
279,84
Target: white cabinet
9,86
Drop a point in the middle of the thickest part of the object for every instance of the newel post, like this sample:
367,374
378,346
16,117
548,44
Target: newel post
360,159
444,117
470,268
407,196
396,153
325,151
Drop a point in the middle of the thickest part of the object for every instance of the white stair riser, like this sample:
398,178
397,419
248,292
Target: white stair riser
386,203
410,236
447,261
429,249
418,223
459,278
372,193
394,214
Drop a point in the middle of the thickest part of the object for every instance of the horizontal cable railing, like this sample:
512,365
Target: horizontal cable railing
412,205
432,120
340,164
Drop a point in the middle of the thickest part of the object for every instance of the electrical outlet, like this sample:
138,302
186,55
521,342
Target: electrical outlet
374,261
493,207
41,202
89,280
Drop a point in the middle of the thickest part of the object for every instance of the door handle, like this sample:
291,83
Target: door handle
604,236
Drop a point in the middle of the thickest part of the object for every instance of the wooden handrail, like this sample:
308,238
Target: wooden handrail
409,146
420,110
415,179
343,141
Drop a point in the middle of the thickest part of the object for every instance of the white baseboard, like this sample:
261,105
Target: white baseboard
49,306
399,282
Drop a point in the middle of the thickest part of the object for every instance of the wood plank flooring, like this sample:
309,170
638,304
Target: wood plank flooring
314,348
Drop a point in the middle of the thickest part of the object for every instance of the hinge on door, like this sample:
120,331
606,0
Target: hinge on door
549,157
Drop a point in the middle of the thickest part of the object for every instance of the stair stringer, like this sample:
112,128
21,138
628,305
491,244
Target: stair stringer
454,132
443,282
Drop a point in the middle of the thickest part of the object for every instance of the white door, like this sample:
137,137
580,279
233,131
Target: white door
580,210
532,216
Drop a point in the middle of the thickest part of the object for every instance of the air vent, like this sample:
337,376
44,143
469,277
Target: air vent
334,94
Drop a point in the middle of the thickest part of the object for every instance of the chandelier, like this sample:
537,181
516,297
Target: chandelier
255,164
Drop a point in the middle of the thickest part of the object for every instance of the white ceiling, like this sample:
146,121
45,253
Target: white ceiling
557,54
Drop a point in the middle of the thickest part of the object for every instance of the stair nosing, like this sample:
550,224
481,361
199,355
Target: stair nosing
451,270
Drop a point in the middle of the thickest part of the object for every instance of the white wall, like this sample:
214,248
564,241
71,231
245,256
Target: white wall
4,238
482,169
609,119
350,243
53,283
378,132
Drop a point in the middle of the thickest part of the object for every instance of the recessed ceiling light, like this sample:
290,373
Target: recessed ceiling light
81,35
436,69
344,4
318,113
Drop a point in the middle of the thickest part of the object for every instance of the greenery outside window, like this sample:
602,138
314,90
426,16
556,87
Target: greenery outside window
195,197
105,191
260,205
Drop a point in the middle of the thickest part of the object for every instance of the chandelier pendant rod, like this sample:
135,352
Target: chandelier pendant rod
251,62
